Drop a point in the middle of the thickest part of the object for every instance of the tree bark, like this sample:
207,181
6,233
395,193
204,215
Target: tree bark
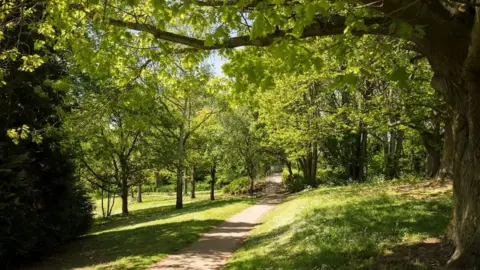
463,97
289,167
185,186
308,164
180,165
361,152
250,190
213,172
448,152
433,160
139,193
192,181
124,196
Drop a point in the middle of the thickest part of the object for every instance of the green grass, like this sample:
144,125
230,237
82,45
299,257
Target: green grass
153,230
350,227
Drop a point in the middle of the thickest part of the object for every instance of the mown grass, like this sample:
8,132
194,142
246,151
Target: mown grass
356,227
153,230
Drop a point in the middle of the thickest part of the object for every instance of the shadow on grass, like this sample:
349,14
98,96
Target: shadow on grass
135,246
350,236
427,254
154,213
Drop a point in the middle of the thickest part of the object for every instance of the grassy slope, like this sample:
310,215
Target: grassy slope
153,230
356,227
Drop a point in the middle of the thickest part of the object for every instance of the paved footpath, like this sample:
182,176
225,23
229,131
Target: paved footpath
213,249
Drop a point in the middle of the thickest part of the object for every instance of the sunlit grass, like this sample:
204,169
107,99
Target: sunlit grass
346,227
153,230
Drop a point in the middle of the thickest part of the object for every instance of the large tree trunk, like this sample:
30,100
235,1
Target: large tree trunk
466,175
463,96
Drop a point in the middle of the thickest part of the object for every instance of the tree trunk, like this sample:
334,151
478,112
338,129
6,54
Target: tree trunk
433,160
139,193
398,153
192,180
124,196
180,166
463,97
308,164
185,185
289,167
213,172
448,152
250,191
361,151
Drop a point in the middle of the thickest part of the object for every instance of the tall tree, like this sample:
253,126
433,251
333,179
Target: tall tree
448,36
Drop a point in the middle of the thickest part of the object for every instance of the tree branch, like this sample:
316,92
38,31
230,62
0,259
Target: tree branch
321,27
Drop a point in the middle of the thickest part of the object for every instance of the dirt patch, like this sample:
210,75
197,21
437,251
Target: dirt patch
431,253
426,189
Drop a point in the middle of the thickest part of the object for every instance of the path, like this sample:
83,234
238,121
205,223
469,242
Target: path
213,249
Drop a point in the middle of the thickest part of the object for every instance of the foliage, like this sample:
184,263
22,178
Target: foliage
237,186
42,202
293,183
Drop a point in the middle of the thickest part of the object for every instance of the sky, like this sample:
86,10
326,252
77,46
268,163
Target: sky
216,61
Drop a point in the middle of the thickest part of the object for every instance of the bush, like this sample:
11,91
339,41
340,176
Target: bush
293,183
237,186
41,202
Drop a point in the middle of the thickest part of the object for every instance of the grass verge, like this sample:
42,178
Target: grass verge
153,230
369,226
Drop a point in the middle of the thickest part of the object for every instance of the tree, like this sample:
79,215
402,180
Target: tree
185,100
42,201
446,35
243,137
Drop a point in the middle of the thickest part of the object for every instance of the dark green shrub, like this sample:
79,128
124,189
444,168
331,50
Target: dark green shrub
42,203
293,183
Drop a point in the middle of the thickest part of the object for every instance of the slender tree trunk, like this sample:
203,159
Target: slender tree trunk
109,211
103,211
192,180
448,152
213,172
180,165
185,185
363,155
124,196
398,153
289,167
139,193
361,149
308,164
433,160
250,191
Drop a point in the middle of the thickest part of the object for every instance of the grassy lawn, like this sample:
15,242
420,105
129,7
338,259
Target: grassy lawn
375,226
153,230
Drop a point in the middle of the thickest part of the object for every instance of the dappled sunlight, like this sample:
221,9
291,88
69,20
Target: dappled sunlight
343,228
144,237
